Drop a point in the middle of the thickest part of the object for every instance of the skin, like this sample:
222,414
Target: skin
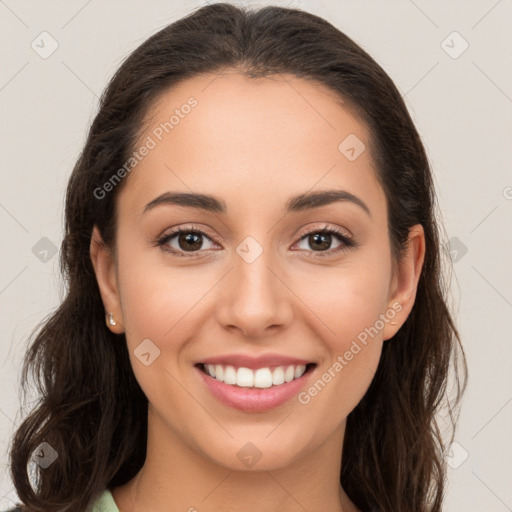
252,143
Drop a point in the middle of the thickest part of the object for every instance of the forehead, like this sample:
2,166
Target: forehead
251,140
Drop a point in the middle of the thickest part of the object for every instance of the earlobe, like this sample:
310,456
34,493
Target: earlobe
104,266
405,280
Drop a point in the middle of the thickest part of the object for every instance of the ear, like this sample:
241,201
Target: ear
104,264
404,283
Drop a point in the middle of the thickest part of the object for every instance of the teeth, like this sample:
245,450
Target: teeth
289,374
229,375
244,378
278,376
260,378
219,371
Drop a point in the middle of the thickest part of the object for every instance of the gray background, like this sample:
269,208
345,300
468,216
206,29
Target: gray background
460,100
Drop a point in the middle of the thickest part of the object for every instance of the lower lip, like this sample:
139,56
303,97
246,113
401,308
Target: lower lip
254,399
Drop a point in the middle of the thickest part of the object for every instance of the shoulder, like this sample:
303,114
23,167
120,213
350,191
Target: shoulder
15,509
104,503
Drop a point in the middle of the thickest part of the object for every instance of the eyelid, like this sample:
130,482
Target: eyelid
325,227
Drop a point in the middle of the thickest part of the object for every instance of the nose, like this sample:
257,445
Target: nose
254,298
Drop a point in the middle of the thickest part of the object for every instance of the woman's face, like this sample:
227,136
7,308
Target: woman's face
252,275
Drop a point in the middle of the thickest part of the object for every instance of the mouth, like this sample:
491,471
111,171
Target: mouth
254,390
260,378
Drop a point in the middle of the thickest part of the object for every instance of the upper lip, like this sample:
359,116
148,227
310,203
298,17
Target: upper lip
246,361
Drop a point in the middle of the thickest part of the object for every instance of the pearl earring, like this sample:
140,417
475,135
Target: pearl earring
110,320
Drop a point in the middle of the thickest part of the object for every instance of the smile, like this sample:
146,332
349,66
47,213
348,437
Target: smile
259,378
254,390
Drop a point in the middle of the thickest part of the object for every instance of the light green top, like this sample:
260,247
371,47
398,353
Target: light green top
105,503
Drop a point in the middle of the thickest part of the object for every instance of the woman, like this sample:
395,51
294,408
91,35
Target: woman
256,314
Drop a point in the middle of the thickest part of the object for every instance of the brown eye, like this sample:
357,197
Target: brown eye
320,241
184,240
189,241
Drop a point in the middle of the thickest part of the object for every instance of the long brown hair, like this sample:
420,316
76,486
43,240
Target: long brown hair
92,411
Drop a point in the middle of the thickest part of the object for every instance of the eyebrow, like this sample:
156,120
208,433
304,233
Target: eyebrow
299,203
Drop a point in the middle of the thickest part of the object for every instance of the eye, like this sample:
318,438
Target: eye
320,238
187,240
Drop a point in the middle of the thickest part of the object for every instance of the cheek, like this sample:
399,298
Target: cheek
159,301
351,303
353,350
348,300
161,305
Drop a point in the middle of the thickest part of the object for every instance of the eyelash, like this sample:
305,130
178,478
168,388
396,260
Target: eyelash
346,242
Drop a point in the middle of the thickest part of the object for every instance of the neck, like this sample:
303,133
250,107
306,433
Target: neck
177,477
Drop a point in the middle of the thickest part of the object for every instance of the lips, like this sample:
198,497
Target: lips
262,394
